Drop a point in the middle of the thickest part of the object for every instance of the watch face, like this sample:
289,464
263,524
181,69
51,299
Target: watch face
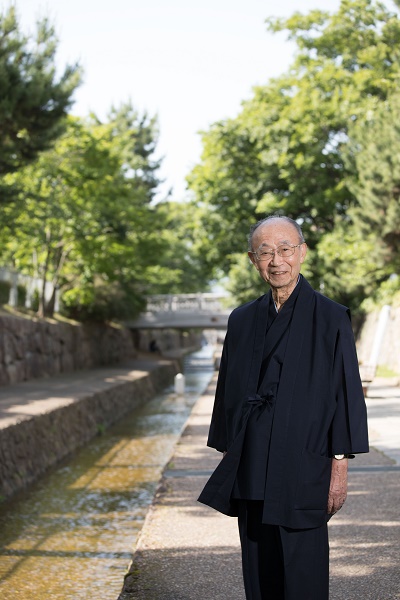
339,456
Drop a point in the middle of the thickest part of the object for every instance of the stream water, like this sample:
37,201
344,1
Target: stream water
72,535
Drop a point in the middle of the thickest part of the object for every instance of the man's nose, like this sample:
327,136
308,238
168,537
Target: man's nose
276,259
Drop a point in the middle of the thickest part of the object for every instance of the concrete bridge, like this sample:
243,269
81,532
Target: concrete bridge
184,311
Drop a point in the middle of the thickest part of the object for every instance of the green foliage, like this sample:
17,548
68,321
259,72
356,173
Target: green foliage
227,186
244,281
84,219
384,371
35,301
33,102
102,302
364,250
319,144
351,263
101,428
178,268
4,292
287,151
21,295
388,292
374,154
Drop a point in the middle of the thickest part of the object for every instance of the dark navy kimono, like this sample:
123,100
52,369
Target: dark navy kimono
318,406
250,477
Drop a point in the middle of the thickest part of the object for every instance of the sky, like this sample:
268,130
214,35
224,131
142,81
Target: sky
189,63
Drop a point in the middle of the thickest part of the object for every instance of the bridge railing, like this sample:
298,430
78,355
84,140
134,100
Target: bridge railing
206,302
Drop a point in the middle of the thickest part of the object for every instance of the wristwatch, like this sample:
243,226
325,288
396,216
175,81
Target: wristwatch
340,456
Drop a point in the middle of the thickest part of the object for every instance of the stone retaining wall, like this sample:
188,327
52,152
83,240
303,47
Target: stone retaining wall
29,448
166,339
31,349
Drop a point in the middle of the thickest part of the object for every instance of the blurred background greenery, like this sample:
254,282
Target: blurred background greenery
320,143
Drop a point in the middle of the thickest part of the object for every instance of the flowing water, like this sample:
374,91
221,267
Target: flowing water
72,535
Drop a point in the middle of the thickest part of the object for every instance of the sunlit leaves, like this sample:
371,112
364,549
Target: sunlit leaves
33,101
84,220
287,151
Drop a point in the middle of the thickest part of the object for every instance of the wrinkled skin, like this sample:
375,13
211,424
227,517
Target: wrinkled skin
338,485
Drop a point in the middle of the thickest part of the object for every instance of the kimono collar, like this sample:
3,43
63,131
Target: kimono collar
272,298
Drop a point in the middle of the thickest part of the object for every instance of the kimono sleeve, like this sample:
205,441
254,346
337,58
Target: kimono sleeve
349,431
217,437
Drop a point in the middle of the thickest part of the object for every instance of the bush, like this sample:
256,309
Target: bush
5,287
21,295
101,303
35,301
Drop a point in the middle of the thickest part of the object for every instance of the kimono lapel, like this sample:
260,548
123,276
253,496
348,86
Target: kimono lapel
301,325
276,332
258,347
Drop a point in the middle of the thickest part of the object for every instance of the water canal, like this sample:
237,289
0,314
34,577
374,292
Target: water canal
72,535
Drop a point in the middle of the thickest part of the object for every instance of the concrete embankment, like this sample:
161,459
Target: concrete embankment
42,421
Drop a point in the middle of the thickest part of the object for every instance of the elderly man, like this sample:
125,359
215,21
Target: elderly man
289,411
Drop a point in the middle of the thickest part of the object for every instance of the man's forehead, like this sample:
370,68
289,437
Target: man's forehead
277,242
276,232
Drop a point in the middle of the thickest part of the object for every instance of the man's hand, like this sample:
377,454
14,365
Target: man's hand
338,486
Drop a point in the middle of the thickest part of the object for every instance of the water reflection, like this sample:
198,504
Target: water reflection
72,535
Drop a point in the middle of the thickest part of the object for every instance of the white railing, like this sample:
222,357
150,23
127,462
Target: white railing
203,303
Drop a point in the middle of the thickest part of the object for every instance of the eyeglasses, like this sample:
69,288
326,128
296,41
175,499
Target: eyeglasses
285,250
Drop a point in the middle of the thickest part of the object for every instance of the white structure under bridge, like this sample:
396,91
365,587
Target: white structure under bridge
184,311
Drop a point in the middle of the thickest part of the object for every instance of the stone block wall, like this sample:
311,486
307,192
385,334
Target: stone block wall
166,339
29,448
31,349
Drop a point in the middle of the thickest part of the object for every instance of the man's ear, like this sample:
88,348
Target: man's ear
303,252
253,260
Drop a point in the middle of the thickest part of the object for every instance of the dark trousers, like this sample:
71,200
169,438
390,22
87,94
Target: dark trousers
281,563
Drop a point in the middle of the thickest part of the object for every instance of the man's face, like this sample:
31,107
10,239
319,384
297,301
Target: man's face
278,271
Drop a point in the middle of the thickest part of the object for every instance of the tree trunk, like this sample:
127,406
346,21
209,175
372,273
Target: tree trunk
42,297
48,307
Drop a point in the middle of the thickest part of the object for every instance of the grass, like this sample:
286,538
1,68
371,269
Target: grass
24,313
384,371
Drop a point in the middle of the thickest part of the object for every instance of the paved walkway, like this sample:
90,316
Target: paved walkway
30,398
189,552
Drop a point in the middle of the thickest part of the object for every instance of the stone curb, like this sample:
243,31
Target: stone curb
42,422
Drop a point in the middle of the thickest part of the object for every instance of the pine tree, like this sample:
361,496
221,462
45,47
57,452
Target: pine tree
33,101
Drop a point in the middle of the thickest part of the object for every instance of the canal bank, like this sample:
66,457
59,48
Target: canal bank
43,421
71,534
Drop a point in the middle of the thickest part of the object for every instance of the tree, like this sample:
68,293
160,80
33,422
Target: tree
84,218
179,268
227,185
33,102
363,252
353,261
285,150
374,153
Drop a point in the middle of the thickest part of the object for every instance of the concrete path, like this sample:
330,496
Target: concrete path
27,399
189,552
383,401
